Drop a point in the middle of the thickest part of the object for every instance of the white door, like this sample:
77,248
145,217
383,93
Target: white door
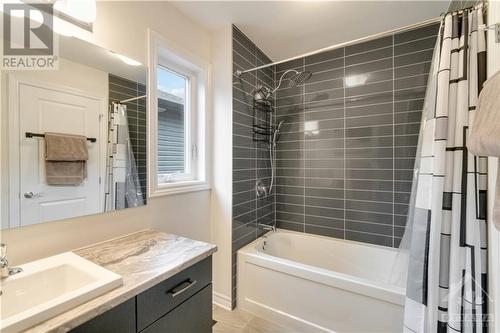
46,110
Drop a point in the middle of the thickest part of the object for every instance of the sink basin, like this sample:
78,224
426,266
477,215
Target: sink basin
50,286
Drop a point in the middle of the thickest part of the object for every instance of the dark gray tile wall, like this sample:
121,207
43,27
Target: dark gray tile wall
346,154
250,158
121,89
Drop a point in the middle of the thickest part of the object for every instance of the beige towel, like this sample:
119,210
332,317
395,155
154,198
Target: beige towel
65,147
65,173
65,159
484,138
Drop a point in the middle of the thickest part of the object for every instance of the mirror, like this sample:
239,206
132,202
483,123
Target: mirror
74,139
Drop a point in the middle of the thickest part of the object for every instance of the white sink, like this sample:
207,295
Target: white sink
50,286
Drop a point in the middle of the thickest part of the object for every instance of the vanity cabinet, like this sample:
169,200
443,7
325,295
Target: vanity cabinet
194,315
182,303
121,319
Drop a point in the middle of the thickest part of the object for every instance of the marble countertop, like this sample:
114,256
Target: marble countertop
143,259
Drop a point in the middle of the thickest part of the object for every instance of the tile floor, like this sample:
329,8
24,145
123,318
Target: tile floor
238,321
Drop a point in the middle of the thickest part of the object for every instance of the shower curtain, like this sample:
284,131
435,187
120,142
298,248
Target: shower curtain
447,274
123,189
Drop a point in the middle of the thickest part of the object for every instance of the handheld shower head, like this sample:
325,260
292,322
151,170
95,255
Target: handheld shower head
279,125
276,133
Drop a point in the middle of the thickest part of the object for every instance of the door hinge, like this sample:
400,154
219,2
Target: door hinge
99,180
101,116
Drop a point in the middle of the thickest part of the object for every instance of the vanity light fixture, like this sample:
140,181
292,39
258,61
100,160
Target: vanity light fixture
80,10
127,60
64,28
69,15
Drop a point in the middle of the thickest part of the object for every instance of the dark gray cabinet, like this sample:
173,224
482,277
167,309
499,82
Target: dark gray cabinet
167,295
121,319
180,304
194,315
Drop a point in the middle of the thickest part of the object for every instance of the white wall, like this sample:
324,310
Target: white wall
122,27
494,234
222,164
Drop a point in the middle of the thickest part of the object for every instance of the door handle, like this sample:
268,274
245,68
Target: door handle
31,195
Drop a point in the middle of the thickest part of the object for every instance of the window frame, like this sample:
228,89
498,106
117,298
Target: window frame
179,61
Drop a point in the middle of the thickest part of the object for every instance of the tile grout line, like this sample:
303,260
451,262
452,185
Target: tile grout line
393,138
256,157
344,150
303,89
275,199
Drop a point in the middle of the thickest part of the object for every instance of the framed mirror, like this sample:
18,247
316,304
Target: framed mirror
73,140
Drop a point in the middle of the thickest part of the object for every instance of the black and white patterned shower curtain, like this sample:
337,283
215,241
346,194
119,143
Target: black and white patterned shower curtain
123,189
447,278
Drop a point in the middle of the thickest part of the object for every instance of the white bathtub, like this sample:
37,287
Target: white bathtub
311,283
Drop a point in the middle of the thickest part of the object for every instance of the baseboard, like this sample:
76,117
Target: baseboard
222,300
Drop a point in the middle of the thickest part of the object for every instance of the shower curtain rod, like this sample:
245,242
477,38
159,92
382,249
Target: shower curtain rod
360,40
131,99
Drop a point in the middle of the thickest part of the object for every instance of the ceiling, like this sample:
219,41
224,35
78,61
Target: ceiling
284,29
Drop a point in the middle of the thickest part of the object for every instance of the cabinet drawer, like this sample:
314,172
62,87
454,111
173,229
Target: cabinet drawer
120,319
192,316
165,296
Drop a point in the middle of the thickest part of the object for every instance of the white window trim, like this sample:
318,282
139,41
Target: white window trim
200,103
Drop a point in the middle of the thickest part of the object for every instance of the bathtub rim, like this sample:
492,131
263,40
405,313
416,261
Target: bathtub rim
362,286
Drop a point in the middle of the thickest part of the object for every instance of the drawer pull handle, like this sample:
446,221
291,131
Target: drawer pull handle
181,287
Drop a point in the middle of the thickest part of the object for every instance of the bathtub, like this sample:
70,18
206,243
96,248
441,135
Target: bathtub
311,283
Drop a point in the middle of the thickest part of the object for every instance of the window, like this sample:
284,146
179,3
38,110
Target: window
177,121
173,124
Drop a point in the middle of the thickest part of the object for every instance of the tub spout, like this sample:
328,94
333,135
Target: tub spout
266,227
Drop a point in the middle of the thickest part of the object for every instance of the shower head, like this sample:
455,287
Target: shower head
262,93
295,80
299,78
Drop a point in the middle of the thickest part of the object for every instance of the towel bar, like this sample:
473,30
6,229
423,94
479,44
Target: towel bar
32,135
